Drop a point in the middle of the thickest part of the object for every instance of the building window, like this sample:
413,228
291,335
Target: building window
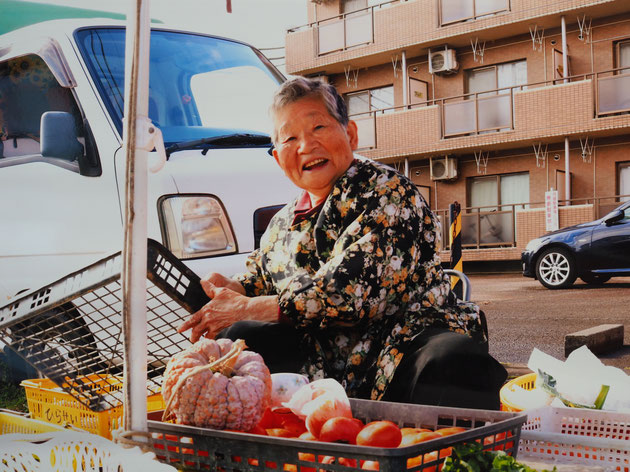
494,191
624,54
453,11
376,99
491,78
493,199
623,174
489,105
354,5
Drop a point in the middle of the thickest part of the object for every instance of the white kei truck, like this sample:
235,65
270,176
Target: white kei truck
62,161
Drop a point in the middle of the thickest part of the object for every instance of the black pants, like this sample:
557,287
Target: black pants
440,367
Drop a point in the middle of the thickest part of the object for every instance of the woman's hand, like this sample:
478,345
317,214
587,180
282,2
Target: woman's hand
225,308
215,279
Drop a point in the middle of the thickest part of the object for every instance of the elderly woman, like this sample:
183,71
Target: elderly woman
347,283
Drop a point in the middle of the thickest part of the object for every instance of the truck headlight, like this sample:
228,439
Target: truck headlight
196,226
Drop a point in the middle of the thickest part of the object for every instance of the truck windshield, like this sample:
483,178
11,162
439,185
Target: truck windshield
199,86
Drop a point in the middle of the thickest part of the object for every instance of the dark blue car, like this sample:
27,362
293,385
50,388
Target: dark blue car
594,252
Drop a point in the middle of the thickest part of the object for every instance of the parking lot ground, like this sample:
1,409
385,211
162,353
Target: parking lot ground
523,315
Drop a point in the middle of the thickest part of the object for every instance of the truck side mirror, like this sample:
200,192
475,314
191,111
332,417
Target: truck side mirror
58,136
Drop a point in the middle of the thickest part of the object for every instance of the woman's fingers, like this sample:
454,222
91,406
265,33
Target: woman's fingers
190,322
225,308
202,328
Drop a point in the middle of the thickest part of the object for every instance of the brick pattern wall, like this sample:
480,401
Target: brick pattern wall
530,224
415,22
539,114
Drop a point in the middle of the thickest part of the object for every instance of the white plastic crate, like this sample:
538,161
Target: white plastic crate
577,436
72,451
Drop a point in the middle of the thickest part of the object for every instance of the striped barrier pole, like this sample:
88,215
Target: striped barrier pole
456,247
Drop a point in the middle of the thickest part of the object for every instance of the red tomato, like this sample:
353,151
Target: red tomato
340,429
415,438
269,420
338,460
423,459
281,433
380,434
405,431
289,420
450,430
370,465
489,440
307,436
258,430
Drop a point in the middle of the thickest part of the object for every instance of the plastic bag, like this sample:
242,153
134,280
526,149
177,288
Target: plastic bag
319,401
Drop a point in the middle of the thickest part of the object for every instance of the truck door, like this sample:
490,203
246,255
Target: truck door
56,215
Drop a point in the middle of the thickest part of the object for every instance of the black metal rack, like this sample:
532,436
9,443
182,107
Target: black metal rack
71,330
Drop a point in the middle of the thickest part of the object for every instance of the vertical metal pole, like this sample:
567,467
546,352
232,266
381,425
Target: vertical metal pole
567,171
456,247
565,51
405,78
134,271
407,168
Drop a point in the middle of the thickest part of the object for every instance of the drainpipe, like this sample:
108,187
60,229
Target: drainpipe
567,174
407,168
565,52
565,73
405,80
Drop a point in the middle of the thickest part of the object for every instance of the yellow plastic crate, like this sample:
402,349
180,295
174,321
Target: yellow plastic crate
12,423
48,402
527,382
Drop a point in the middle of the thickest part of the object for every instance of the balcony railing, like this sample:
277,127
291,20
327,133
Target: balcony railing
493,110
612,91
495,226
478,113
345,31
455,11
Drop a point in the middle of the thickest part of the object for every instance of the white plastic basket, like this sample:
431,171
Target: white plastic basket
72,451
577,436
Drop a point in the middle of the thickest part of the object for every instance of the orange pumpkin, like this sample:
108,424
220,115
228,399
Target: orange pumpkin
217,384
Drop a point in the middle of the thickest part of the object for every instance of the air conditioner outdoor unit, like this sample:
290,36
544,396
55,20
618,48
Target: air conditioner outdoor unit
443,61
443,168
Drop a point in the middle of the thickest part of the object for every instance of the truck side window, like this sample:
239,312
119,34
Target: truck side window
27,90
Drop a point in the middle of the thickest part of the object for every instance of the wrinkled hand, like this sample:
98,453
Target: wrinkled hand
216,279
228,304
224,309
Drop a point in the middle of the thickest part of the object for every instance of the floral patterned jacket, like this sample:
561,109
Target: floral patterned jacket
360,278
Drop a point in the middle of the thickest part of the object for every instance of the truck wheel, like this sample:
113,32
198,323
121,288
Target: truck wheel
58,343
555,268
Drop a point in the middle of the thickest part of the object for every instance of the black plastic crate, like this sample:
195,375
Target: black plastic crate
71,330
191,448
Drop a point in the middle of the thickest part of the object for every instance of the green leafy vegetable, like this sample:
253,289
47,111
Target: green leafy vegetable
470,457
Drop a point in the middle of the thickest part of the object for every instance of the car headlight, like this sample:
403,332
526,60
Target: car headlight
534,244
196,226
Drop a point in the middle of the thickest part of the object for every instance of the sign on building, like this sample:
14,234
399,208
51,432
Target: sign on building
551,210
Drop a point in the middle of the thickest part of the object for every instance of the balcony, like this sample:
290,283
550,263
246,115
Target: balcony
455,11
593,103
372,34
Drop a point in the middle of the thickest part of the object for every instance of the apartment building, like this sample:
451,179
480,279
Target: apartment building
488,103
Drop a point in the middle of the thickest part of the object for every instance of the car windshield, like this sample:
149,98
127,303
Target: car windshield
199,86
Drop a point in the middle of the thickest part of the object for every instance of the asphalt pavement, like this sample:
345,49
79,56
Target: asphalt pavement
523,315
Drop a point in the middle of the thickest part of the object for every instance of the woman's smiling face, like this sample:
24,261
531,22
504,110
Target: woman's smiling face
312,148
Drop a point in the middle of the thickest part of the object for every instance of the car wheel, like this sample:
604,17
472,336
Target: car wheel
555,268
593,279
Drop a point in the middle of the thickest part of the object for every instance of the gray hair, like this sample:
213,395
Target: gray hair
301,87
